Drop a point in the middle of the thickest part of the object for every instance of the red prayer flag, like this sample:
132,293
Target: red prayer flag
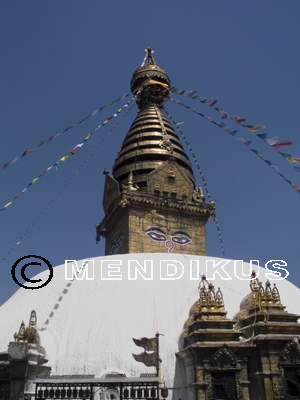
278,146
5,165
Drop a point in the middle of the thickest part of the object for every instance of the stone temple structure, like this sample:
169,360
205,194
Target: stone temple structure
151,193
203,328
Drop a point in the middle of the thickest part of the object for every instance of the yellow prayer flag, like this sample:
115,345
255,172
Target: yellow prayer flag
291,160
64,158
224,112
35,180
256,128
7,204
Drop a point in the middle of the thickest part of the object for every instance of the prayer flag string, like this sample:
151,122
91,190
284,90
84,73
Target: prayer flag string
66,184
245,143
71,153
252,128
42,142
201,174
211,102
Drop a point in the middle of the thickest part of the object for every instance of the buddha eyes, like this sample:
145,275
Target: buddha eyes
157,236
181,239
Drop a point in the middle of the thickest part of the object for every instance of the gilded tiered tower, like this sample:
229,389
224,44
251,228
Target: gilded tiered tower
150,201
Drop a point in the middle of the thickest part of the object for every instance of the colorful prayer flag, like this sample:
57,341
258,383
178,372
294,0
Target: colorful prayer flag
291,160
285,155
213,103
272,141
256,128
278,146
262,135
222,112
297,168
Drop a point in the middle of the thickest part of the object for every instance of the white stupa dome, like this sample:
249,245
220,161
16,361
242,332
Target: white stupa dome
87,326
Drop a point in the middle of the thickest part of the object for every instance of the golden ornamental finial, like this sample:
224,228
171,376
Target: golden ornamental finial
254,282
268,291
208,296
149,56
275,294
20,336
219,299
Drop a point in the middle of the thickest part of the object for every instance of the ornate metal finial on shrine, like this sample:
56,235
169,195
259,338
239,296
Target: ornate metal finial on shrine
20,336
254,282
29,334
150,83
275,293
207,295
149,55
33,319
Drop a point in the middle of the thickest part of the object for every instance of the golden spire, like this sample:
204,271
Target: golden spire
150,74
149,55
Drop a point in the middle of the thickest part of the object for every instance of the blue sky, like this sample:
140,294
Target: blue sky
61,60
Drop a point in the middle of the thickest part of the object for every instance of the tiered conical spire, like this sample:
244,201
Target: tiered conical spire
151,139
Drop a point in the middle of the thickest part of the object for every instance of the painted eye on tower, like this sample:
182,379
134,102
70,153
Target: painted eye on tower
184,237
155,233
157,236
180,239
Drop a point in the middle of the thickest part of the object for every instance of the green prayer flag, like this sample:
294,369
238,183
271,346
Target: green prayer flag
248,126
285,155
